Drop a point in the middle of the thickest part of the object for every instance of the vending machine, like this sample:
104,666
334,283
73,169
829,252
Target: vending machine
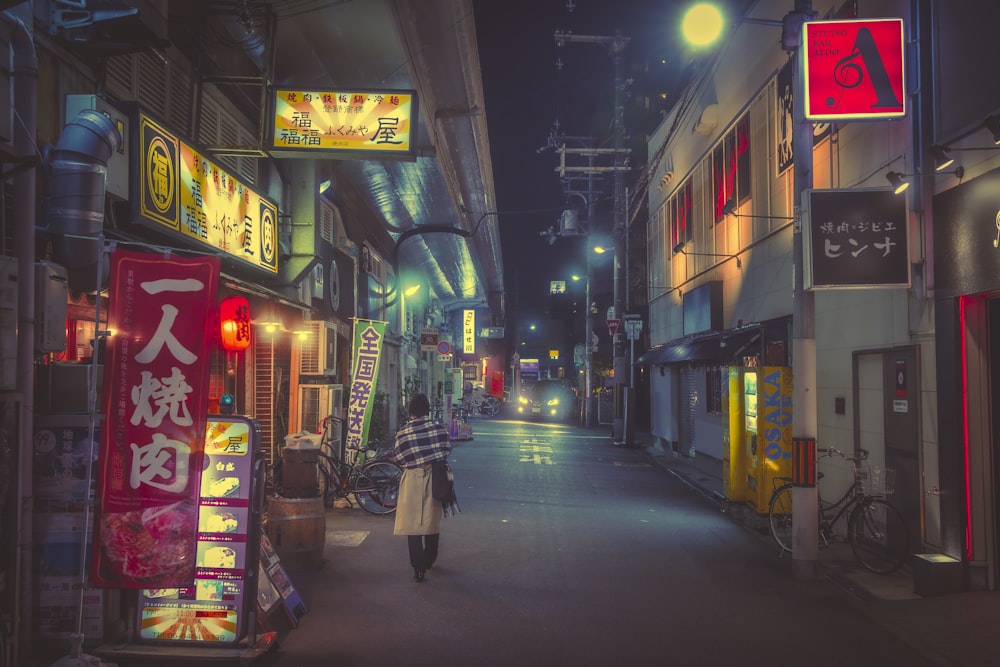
767,432
734,465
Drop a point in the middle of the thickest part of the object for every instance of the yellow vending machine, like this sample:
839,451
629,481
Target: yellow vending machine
734,464
767,399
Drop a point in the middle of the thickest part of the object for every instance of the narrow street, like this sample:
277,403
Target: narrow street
571,552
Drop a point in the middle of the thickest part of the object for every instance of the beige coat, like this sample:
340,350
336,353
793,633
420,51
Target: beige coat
417,513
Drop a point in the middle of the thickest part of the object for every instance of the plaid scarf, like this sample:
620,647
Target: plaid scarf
421,441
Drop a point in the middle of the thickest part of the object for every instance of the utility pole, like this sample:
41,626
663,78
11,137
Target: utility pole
616,47
805,499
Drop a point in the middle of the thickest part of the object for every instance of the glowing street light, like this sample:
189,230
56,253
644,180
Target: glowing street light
702,24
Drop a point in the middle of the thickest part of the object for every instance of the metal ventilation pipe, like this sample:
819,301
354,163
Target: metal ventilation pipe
74,205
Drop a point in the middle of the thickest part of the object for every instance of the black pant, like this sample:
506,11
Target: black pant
423,550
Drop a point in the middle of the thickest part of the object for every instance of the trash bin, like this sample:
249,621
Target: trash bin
299,471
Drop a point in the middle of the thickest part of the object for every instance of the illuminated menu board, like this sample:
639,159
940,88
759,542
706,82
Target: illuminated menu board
214,609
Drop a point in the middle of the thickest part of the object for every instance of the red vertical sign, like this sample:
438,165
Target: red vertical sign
854,69
161,317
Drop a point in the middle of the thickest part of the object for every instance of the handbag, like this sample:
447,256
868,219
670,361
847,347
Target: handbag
443,486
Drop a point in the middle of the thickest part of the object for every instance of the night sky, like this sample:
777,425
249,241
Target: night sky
530,85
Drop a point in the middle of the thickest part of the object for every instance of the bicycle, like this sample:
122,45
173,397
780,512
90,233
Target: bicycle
488,405
374,483
876,529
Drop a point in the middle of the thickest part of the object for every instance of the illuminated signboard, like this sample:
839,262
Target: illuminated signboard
854,69
557,287
469,332
366,122
855,238
182,191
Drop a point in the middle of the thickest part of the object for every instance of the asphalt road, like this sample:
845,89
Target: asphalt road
569,551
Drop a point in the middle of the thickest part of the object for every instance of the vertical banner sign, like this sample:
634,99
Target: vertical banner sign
469,332
368,336
162,315
854,69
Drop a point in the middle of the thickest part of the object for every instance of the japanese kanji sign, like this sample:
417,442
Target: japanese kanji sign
855,238
854,69
368,337
162,316
364,122
183,192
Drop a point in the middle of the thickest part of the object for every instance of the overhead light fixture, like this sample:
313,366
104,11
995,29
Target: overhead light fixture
941,159
411,290
992,124
897,181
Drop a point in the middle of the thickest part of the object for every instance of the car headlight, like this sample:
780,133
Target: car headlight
553,401
522,400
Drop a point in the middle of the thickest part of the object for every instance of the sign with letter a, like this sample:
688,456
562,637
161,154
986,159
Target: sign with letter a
854,69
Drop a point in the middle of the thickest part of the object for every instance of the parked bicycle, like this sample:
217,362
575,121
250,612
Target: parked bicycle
876,530
484,404
373,482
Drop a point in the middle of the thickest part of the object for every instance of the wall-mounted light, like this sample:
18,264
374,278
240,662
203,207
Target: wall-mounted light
897,181
900,182
411,290
730,209
992,123
941,158
680,248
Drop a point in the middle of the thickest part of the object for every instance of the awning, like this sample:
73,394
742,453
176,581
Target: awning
725,347
694,350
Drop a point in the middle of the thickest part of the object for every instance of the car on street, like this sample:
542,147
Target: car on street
550,400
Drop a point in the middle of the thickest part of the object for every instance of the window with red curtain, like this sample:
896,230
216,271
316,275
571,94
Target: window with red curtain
731,167
679,211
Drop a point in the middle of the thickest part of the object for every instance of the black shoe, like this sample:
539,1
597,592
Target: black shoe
418,576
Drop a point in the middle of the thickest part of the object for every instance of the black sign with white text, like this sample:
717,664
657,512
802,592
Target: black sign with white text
967,237
855,239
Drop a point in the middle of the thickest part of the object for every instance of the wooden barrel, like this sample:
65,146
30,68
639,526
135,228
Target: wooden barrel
297,530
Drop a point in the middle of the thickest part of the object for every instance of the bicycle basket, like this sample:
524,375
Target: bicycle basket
877,481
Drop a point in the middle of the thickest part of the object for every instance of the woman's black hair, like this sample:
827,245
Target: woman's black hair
419,406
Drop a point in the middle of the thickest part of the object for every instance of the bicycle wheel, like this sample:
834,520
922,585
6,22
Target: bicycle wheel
377,487
779,517
878,536
329,480
491,406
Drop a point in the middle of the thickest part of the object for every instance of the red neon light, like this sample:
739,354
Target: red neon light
962,303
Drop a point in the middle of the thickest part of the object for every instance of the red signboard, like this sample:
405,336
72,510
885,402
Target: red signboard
854,69
162,320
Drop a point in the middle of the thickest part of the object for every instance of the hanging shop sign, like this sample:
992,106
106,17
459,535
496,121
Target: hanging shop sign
156,398
469,332
855,239
368,337
185,194
364,124
854,70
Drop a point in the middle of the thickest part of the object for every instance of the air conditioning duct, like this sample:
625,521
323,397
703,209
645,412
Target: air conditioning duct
74,204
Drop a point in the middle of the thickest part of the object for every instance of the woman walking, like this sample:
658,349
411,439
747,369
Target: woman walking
418,516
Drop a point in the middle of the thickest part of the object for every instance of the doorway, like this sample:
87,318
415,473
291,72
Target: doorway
887,424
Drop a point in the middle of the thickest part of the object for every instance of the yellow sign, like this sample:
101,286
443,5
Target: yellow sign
185,192
469,338
366,121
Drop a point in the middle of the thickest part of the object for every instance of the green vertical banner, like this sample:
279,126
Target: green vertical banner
368,336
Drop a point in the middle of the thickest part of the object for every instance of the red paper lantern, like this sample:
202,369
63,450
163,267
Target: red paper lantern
234,314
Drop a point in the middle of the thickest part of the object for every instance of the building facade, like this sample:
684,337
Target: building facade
902,364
